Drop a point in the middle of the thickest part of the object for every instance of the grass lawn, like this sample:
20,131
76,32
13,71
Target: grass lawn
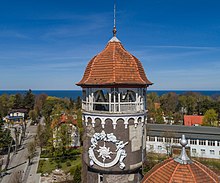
47,166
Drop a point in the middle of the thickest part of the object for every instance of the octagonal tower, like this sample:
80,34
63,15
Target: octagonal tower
114,113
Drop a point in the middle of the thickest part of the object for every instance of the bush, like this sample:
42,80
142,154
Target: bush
40,166
59,166
77,175
68,163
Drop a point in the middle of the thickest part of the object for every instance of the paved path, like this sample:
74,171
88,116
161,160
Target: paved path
31,173
18,168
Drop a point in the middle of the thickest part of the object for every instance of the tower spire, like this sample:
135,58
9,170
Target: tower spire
183,158
114,28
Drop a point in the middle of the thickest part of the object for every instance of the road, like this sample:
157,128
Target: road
18,167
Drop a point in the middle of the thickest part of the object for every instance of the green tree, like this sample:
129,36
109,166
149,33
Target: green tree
18,102
29,99
31,150
33,115
11,101
159,116
3,105
78,103
42,136
210,118
169,103
5,137
39,103
152,98
63,138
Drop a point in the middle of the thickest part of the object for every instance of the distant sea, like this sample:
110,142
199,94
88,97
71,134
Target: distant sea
75,93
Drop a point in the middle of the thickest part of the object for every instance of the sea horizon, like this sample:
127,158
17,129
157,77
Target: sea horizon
75,93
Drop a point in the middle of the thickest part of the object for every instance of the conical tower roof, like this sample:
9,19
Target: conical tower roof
114,66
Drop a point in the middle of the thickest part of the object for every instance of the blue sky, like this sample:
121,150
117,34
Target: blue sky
46,44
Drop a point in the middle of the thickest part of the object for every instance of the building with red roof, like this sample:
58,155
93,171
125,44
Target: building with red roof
69,123
190,120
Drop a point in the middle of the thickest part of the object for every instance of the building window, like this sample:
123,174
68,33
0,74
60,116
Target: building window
159,139
193,142
160,148
152,139
211,143
202,151
175,140
151,147
100,178
194,151
202,142
212,152
218,143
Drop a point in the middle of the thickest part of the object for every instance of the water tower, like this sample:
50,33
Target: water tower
114,89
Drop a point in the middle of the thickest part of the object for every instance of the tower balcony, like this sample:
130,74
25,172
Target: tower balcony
117,107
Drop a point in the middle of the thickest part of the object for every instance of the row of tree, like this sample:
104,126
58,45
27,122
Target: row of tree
17,101
174,106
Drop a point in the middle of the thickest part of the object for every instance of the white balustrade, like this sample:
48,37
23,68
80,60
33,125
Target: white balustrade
117,107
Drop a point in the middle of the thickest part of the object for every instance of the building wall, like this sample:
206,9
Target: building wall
129,132
73,135
17,114
198,147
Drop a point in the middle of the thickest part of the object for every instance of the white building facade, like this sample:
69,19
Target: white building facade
200,144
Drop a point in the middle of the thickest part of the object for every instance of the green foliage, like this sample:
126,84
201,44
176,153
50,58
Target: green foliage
68,163
31,149
42,135
18,101
29,99
5,137
39,102
59,166
78,103
4,105
33,115
77,175
159,116
210,118
169,103
151,160
47,166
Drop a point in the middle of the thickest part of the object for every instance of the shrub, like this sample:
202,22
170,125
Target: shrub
77,175
68,163
59,166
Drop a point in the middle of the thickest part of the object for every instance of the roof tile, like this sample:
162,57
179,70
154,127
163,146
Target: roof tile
113,66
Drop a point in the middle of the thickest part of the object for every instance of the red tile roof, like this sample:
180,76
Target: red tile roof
172,171
63,119
114,66
190,120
